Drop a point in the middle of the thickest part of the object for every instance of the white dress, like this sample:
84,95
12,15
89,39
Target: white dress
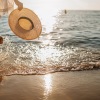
6,6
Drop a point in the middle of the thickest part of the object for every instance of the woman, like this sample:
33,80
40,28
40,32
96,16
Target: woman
5,7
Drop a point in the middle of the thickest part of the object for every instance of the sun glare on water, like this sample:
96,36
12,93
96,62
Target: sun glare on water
47,85
48,53
47,19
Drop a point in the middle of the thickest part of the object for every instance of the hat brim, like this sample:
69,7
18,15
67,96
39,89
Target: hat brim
20,32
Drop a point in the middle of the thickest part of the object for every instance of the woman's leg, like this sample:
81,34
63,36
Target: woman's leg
1,40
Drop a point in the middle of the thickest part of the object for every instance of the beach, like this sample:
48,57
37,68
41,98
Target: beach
79,85
62,64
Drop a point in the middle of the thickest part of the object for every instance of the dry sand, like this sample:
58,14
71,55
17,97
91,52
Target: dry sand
82,85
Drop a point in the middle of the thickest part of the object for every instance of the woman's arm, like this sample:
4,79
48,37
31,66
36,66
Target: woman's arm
19,4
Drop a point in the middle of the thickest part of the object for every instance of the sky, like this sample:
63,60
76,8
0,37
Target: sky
46,9
62,4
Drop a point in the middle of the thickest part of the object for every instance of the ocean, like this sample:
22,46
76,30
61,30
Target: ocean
68,42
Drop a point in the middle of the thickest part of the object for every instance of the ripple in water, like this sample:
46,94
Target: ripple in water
29,58
70,43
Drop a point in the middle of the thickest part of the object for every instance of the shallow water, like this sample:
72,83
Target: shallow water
69,42
84,85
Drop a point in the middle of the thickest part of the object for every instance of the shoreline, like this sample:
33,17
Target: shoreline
51,72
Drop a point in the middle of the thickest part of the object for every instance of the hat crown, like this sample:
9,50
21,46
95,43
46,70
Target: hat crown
25,23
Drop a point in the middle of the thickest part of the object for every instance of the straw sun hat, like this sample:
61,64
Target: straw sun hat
25,24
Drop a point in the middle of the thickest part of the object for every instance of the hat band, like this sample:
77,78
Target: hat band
25,23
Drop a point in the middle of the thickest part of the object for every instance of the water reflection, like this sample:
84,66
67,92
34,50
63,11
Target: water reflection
47,85
49,53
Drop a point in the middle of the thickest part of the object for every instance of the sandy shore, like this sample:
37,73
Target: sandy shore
82,85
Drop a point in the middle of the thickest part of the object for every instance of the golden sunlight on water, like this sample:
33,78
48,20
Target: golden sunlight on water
47,85
45,54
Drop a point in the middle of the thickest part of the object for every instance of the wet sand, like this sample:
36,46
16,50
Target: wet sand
79,85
